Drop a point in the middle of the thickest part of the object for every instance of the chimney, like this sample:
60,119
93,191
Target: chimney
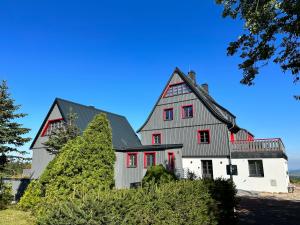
205,87
192,76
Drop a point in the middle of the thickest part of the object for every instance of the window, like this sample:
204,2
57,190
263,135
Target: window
231,137
131,160
256,168
250,137
177,89
187,111
149,159
203,137
168,114
52,125
171,161
207,169
156,139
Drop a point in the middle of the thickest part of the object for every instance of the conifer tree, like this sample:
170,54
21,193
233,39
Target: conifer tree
59,137
11,132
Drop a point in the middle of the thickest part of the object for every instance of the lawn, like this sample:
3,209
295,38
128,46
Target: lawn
15,217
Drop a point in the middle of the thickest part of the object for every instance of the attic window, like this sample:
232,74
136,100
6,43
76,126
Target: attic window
52,125
177,89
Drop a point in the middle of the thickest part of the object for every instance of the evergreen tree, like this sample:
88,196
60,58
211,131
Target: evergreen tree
85,163
11,132
59,137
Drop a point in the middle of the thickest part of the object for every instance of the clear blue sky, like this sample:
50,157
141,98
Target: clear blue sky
118,55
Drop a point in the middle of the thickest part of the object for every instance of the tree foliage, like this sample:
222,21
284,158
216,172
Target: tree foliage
59,137
5,195
158,175
11,132
84,163
272,32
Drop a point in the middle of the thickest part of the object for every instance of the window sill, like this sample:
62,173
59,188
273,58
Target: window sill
187,117
131,167
257,176
202,143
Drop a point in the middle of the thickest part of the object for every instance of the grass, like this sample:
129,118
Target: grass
295,180
13,216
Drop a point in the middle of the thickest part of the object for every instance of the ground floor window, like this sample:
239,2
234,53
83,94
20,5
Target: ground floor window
256,168
131,160
207,169
149,159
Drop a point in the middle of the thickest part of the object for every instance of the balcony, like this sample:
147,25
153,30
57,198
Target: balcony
258,145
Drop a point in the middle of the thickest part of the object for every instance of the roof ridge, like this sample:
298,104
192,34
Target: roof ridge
89,107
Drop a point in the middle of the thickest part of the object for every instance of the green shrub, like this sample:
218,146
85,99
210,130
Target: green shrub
5,195
224,192
85,163
158,175
181,202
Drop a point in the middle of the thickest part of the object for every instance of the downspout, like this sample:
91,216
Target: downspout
229,147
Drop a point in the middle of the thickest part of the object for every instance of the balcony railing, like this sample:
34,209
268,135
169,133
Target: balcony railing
258,145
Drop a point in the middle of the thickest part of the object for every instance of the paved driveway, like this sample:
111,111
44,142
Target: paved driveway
268,211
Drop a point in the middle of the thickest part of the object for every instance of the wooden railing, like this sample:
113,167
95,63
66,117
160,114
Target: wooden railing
258,145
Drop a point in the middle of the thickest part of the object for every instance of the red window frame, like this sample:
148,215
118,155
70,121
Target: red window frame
232,137
171,160
168,87
145,158
250,137
182,111
128,159
165,115
153,139
199,136
47,125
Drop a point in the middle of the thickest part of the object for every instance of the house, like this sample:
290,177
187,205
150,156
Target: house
186,131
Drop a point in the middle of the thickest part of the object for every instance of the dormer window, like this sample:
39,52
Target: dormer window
52,125
177,89
156,139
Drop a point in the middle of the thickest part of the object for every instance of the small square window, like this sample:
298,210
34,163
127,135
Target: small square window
168,114
203,137
187,111
156,139
256,168
132,160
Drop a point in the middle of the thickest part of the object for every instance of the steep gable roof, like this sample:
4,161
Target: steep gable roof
122,133
218,111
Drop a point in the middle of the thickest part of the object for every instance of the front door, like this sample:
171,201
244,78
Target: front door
207,169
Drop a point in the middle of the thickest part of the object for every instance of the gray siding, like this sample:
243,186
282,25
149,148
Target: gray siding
241,135
125,176
40,157
185,131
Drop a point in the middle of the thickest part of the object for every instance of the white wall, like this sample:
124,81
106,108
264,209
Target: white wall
275,177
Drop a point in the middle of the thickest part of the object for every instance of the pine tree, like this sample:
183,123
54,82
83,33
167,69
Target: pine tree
11,132
59,137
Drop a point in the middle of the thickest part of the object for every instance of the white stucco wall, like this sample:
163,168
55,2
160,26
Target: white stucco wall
275,178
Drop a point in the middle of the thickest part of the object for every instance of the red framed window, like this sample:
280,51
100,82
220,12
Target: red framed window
52,125
132,160
203,137
171,160
149,159
177,89
187,111
232,137
168,114
156,139
250,137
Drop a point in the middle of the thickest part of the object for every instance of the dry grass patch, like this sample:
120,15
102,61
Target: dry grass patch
15,217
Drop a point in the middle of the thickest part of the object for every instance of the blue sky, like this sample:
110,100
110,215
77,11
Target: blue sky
118,55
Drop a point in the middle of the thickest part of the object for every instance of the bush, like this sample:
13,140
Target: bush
6,196
158,175
181,202
224,192
85,163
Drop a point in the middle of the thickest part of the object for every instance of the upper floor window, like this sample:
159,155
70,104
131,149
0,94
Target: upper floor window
168,114
177,89
156,139
149,159
232,137
52,125
131,160
187,111
256,168
203,137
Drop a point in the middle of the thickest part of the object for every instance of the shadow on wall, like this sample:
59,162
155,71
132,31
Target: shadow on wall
19,186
